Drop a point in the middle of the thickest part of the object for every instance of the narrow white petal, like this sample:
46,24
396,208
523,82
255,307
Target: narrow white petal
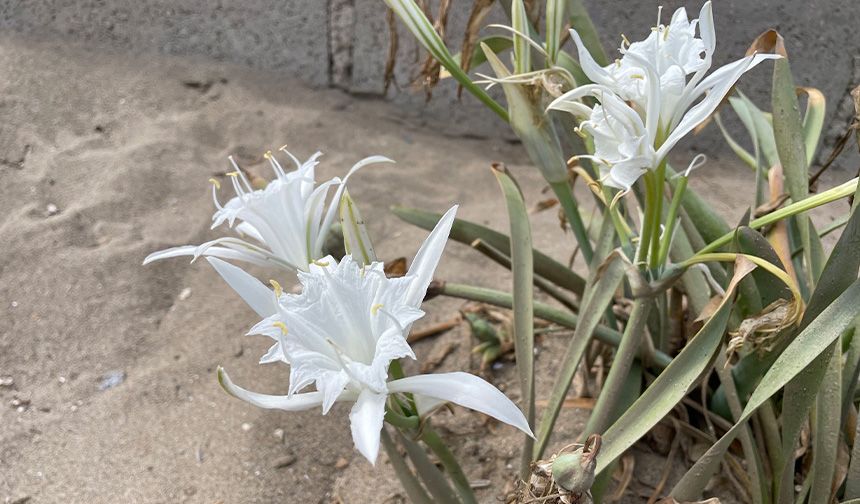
247,229
365,420
185,250
717,85
274,354
335,202
592,70
427,258
222,252
706,27
259,297
574,107
466,390
295,402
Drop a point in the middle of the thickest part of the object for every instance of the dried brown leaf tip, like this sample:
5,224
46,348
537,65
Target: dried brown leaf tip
480,9
768,42
428,76
565,478
392,50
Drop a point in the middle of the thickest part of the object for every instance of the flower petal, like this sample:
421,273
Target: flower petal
427,258
366,423
717,85
295,402
222,252
706,28
592,69
245,228
466,390
259,297
335,202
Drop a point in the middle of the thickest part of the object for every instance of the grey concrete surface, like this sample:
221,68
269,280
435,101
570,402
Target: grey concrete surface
344,43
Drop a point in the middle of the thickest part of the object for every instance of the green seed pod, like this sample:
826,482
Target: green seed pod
574,472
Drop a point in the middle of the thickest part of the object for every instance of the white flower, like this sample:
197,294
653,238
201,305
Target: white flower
341,334
651,81
288,220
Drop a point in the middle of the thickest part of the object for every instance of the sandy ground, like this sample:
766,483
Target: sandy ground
114,399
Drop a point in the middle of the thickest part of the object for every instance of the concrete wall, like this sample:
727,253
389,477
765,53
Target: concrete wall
344,43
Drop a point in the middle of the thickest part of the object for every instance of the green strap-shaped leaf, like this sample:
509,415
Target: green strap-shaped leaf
758,123
407,478
522,49
672,384
522,268
826,433
852,481
433,478
743,154
422,29
593,307
751,452
467,232
790,144
813,120
555,16
841,269
803,350
549,313
606,408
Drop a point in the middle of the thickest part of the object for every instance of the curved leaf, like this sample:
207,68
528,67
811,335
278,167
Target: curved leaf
523,287
467,232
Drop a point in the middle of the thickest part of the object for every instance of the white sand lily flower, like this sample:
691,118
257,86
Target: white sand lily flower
287,222
651,80
341,334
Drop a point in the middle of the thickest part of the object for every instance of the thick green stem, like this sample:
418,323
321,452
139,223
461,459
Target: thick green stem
449,462
828,196
545,312
606,408
565,196
657,200
647,221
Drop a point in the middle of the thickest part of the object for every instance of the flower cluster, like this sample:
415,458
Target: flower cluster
651,97
288,220
350,321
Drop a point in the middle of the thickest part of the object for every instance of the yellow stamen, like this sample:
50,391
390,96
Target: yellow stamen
321,263
268,154
215,183
280,325
375,308
233,174
278,289
283,148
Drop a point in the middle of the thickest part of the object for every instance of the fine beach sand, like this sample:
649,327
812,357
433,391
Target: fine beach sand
105,158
